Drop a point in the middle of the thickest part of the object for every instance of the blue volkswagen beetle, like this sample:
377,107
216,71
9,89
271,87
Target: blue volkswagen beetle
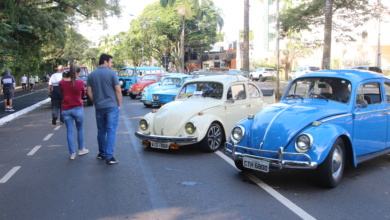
168,81
324,119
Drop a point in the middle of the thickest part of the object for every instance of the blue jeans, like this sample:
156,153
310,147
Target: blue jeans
76,114
107,122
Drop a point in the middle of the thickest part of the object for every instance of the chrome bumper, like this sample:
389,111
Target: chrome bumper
273,162
150,102
173,139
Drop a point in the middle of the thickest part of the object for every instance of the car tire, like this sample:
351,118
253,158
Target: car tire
240,166
124,93
122,82
213,139
89,101
133,96
330,172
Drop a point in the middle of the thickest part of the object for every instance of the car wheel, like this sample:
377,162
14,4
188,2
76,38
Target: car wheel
240,166
124,93
133,96
122,82
332,169
89,101
214,138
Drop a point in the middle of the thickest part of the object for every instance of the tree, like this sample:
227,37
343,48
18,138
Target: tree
341,16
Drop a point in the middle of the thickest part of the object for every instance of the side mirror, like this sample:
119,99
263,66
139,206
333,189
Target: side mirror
231,100
362,104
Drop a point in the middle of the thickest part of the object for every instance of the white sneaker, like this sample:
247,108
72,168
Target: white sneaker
83,152
11,110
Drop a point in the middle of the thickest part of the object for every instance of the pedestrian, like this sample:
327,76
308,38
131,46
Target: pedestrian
36,80
8,85
104,89
24,82
31,81
56,96
72,109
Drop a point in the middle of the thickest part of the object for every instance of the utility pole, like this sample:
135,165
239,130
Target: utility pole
246,37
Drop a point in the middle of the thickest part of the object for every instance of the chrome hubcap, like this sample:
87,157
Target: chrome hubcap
337,162
214,137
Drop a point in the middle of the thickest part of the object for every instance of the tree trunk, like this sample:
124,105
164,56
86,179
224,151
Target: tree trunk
182,45
328,35
246,36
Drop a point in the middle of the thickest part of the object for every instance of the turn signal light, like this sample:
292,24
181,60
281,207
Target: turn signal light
145,143
174,146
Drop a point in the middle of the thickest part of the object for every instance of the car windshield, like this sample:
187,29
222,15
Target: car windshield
149,77
202,89
327,88
171,81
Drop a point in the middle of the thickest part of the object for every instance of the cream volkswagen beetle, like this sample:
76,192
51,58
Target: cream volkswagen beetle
204,111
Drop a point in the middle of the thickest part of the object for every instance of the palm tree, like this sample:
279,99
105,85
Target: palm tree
184,12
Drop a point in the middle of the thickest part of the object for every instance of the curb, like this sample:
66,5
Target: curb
22,112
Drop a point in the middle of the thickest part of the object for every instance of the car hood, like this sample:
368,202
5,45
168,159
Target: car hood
277,124
139,86
171,118
168,91
161,88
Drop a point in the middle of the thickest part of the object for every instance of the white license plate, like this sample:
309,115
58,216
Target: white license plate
256,164
159,145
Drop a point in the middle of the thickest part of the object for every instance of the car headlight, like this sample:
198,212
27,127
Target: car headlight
190,127
237,133
155,97
143,124
303,143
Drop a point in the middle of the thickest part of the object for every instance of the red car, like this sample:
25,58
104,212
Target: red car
136,89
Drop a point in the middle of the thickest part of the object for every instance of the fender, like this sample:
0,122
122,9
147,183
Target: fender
324,137
203,122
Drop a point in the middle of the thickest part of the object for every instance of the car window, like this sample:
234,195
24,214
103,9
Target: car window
369,92
236,92
320,88
150,77
313,68
253,91
202,90
171,81
269,70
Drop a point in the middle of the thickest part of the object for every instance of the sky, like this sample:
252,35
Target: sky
232,14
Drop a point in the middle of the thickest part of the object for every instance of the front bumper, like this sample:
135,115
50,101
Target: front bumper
148,102
164,139
278,162
135,92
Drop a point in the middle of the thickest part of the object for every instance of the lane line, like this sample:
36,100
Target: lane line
9,174
57,127
286,202
35,149
22,112
48,137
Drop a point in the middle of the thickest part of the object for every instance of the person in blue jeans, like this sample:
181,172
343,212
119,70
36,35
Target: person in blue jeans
72,109
104,90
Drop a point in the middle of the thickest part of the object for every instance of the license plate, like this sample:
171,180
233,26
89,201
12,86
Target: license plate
159,145
256,164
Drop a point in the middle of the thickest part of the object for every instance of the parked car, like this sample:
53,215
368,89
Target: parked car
302,70
262,74
170,81
370,68
162,97
130,75
323,120
148,79
204,112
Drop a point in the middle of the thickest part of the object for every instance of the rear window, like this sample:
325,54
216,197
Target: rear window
313,68
269,69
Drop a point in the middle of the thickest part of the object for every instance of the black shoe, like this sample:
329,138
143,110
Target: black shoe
100,157
111,161
54,121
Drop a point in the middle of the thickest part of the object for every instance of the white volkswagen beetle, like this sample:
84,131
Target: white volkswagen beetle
205,110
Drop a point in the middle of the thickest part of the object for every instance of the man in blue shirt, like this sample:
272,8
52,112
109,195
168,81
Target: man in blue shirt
104,90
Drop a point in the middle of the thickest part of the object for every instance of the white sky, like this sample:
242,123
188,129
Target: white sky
232,14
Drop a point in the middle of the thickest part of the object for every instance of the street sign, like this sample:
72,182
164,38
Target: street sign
242,46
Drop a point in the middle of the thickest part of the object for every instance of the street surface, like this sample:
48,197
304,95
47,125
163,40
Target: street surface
38,181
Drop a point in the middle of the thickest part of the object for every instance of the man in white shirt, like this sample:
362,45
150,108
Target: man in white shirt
24,82
56,96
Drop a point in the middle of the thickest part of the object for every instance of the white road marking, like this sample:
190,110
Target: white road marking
9,174
297,210
35,149
47,137
57,127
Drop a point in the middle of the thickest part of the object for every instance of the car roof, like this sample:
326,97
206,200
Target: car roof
353,75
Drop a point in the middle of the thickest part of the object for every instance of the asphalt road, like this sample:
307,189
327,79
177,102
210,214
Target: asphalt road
38,181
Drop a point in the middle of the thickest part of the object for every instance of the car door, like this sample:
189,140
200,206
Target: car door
237,105
255,99
369,123
387,95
